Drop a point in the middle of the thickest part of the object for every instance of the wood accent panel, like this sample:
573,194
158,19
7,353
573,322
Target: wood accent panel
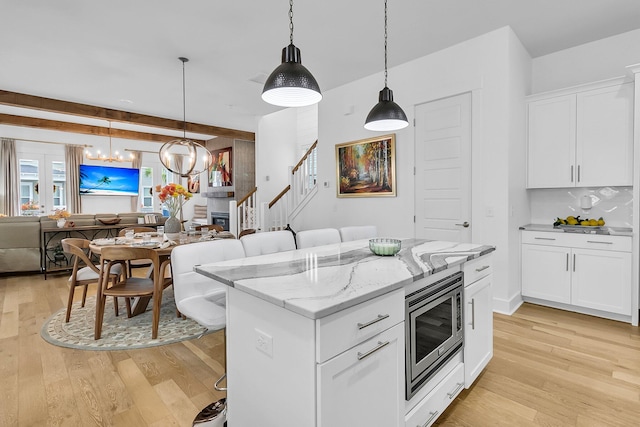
66,107
9,119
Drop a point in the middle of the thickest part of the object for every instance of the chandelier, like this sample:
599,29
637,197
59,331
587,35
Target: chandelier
116,157
184,156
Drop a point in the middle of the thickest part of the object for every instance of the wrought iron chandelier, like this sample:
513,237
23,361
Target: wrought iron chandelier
184,156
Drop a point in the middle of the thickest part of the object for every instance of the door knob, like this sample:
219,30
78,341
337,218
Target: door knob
464,224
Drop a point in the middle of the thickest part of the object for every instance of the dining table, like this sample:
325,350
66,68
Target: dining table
163,245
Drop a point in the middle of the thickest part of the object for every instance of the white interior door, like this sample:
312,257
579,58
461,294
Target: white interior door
443,169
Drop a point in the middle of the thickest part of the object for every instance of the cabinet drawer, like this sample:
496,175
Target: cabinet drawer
427,412
476,269
347,328
575,240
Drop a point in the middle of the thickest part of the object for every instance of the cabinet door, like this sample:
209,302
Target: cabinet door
551,142
602,280
604,153
478,328
545,273
364,386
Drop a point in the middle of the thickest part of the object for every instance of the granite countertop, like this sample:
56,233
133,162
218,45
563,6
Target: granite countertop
320,281
606,230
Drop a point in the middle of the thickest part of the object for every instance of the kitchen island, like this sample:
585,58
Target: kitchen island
295,356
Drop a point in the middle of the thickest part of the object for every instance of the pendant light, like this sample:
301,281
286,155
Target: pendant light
386,115
181,156
291,84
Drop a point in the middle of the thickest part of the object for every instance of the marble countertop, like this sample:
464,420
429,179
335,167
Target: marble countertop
320,281
609,231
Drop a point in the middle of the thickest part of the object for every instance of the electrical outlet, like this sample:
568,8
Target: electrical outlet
264,343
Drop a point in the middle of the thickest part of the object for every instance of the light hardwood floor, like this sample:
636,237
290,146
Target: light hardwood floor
550,368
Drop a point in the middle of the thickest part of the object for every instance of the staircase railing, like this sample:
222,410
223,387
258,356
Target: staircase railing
279,212
244,214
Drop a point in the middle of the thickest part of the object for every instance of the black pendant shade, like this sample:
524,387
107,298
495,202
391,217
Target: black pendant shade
386,114
291,84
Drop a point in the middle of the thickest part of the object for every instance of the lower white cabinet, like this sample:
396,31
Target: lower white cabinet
582,271
478,317
363,386
432,406
478,328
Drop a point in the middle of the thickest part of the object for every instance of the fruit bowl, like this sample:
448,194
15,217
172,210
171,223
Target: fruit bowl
109,221
384,246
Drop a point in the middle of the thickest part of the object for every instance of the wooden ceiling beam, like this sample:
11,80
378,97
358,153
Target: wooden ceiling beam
8,119
15,99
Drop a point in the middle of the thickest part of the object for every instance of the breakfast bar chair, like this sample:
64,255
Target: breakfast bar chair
268,242
84,271
317,237
358,232
204,300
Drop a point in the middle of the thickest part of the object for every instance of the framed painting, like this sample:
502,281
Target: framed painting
366,168
220,171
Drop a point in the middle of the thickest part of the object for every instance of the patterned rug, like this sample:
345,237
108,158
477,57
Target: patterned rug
118,333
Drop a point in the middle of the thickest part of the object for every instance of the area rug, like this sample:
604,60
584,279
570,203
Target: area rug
118,333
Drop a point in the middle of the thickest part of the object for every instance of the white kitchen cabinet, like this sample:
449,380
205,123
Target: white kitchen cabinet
360,387
581,137
359,381
478,317
588,273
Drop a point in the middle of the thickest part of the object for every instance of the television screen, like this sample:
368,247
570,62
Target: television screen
106,180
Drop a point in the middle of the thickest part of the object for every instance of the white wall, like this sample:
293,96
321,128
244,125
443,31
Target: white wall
485,66
590,62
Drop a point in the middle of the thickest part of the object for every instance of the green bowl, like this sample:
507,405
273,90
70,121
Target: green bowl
384,246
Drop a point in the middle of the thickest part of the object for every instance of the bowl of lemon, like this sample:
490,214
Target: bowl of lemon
575,222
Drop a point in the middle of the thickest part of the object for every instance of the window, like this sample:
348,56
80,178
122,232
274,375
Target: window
146,186
42,183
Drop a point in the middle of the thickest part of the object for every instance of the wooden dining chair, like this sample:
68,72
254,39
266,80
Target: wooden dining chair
85,271
132,287
138,263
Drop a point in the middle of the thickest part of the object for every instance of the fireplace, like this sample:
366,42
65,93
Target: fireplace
220,218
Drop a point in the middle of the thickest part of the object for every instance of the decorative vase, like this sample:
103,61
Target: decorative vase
172,225
61,222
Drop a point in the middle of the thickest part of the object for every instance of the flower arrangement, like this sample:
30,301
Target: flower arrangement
174,196
29,206
60,214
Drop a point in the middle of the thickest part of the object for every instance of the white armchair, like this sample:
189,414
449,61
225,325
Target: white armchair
268,242
358,232
317,237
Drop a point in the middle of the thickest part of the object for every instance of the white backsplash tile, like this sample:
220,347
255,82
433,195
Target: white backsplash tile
614,204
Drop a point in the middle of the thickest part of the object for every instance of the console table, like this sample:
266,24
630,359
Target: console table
52,258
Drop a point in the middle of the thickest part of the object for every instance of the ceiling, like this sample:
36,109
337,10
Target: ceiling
123,54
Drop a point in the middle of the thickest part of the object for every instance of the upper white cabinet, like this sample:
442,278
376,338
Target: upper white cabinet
581,137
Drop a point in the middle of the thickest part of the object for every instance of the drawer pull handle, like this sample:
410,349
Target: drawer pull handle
455,391
571,173
432,416
482,268
371,322
602,243
373,350
544,238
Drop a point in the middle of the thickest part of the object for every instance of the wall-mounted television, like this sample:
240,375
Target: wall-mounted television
108,181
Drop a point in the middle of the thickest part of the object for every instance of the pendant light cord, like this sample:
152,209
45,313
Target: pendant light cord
385,43
291,21
184,101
